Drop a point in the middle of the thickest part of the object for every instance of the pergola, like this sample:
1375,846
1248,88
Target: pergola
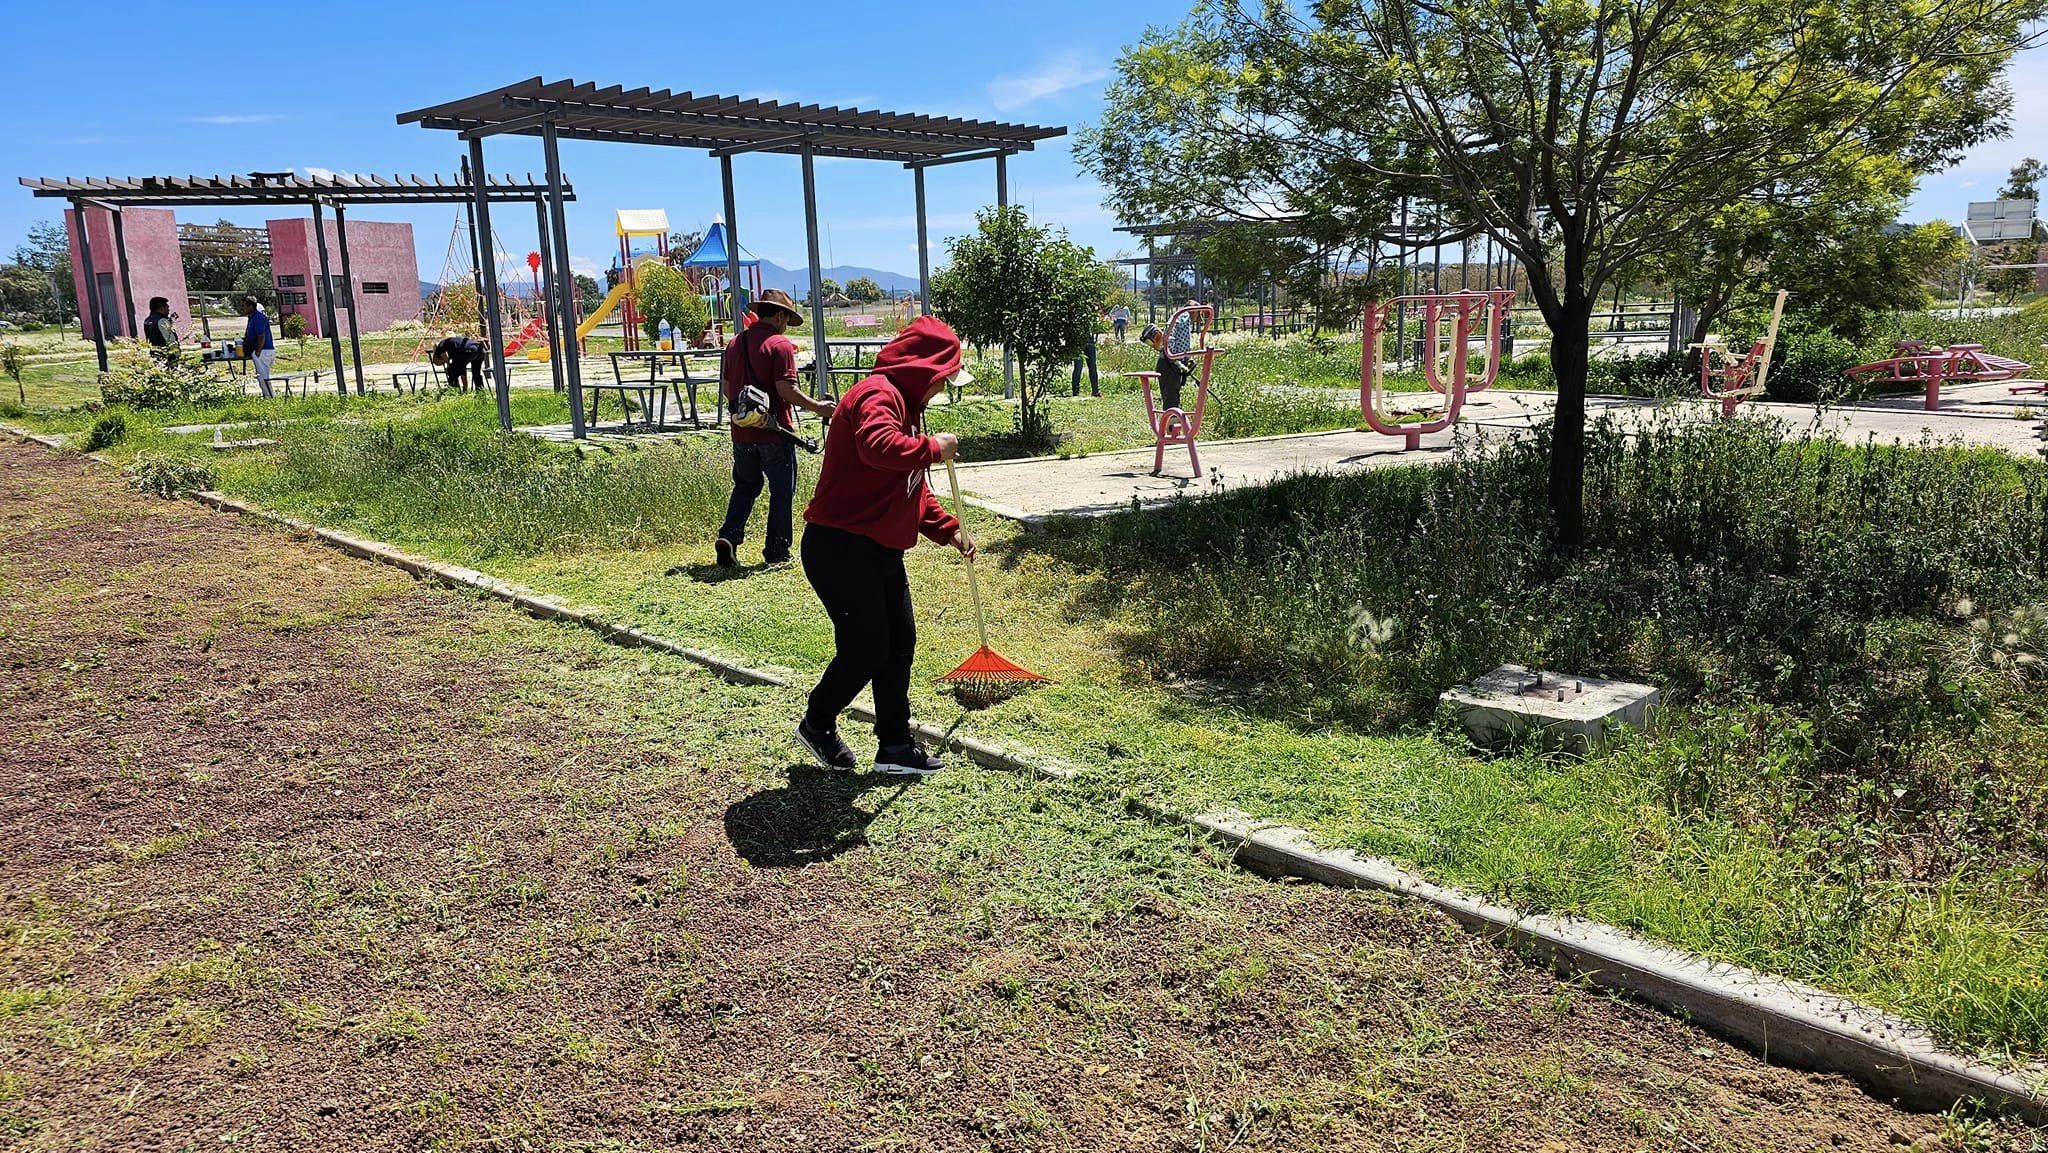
112,194
725,127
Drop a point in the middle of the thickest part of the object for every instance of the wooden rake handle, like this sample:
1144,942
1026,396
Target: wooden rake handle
973,584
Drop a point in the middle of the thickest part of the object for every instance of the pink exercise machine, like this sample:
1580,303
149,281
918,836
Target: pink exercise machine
1731,381
1446,366
1917,362
1187,339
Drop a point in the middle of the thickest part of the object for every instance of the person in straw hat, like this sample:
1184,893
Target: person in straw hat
763,358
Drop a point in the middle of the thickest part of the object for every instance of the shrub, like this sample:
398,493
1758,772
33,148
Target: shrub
295,327
407,328
141,381
169,476
1660,374
107,431
1808,366
662,293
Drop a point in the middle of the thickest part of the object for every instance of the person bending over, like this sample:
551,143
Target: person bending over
872,503
457,353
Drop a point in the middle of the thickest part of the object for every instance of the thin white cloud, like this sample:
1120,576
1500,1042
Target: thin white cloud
237,118
586,266
318,173
1049,79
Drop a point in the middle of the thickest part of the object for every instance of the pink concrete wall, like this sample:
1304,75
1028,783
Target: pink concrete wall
378,253
154,266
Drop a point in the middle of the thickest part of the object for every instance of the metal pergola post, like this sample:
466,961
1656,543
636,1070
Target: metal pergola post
92,283
821,357
476,250
732,273
348,284
487,282
1003,201
128,325
552,330
924,249
565,309
326,298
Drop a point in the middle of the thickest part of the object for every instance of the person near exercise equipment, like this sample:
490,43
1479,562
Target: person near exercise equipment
1172,373
873,502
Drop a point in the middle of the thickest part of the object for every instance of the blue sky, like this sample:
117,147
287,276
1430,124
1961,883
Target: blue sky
177,96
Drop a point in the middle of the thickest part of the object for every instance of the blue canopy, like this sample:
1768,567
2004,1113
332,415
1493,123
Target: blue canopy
711,253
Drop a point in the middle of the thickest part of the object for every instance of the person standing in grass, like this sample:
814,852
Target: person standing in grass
764,358
158,330
872,503
257,346
1119,320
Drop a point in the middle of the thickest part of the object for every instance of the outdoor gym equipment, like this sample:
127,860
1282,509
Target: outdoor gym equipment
1446,363
1732,381
1187,339
1917,362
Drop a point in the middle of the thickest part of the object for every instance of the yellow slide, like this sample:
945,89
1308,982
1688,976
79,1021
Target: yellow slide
611,301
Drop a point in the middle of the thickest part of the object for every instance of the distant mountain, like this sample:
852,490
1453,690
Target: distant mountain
797,281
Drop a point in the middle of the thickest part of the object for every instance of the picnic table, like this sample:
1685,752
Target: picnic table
863,359
652,373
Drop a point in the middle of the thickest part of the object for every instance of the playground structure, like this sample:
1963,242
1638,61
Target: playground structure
1728,380
1187,339
710,268
1446,360
1917,362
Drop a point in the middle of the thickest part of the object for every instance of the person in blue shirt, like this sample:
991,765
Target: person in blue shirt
257,346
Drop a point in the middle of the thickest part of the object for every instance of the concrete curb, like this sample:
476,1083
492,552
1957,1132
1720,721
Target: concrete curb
1784,1021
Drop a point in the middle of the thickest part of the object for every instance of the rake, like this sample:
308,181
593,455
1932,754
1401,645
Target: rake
987,675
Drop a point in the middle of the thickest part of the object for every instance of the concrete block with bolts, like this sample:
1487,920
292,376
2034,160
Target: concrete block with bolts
1578,713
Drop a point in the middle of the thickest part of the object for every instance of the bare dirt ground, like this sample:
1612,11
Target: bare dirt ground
299,855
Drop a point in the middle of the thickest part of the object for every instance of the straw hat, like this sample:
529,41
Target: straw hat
776,298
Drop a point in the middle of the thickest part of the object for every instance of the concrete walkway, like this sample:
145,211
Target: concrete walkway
1032,490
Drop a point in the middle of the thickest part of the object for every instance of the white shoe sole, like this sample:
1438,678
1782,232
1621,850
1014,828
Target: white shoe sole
907,770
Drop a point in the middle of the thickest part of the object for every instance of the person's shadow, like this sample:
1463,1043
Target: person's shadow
812,818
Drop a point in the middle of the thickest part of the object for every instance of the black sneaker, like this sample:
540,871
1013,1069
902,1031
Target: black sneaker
772,561
907,761
728,556
826,748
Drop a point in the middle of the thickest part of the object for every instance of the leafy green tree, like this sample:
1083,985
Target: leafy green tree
1587,137
864,289
681,245
256,282
1029,289
220,255
14,362
592,295
47,252
662,293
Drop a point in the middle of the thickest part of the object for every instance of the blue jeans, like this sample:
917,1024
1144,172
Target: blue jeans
752,465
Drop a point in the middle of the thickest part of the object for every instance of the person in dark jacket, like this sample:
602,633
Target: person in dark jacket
1172,373
457,353
158,329
873,502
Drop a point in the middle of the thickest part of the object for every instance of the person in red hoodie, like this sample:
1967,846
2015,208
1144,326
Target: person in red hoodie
873,501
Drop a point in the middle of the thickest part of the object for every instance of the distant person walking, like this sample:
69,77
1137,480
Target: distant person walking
158,330
458,352
872,504
764,359
1119,320
257,346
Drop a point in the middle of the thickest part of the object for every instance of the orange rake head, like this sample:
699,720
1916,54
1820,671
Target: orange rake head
986,677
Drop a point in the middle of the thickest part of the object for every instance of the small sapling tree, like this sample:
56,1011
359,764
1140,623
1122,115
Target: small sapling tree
14,362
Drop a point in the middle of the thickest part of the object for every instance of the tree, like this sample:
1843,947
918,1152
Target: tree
681,245
48,254
1587,137
14,362
255,282
864,289
221,255
1030,290
592,295
662,293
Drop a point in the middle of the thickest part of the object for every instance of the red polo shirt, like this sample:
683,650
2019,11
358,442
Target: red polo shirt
772,357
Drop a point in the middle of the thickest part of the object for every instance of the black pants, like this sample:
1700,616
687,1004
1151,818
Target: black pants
867,595
476,373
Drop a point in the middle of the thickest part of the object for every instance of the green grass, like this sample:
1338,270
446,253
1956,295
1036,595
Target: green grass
1849,790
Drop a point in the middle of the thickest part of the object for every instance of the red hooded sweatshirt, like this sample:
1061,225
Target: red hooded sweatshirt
873,479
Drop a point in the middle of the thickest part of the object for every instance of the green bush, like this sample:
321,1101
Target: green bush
662,293
139,380
107,431
167,476
1660,374
1807,367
